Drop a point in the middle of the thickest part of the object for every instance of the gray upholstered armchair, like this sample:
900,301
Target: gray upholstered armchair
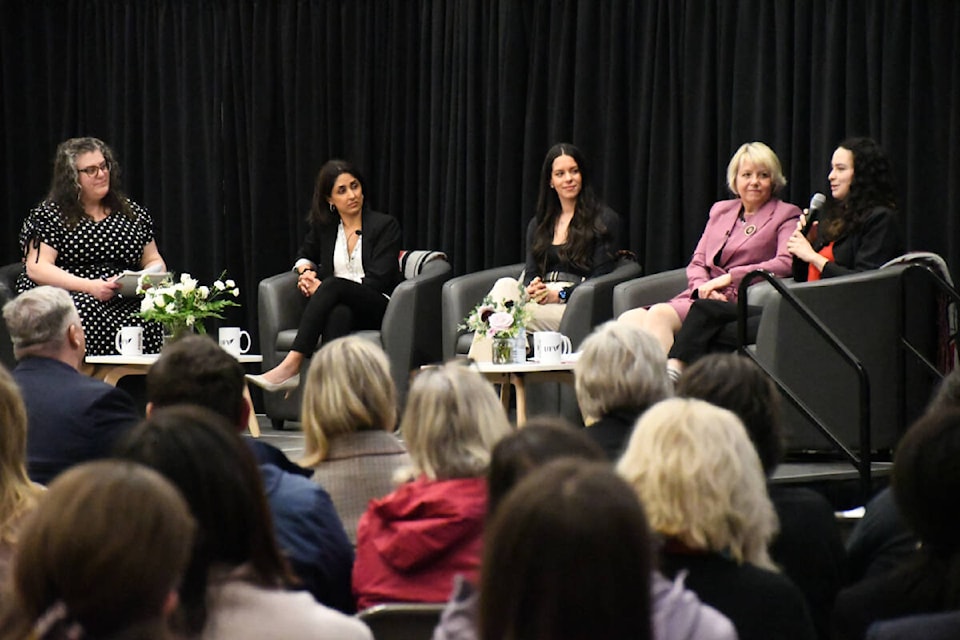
409,333
871,313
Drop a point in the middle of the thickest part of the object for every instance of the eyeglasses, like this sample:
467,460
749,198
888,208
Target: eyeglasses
94,170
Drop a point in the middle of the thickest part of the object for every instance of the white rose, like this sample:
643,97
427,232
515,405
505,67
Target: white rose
235,292
203,291
146,305
219,286
231,284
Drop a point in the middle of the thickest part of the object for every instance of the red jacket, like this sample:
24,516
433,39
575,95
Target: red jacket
411,543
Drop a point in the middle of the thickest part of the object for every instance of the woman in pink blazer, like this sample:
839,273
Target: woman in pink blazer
746,233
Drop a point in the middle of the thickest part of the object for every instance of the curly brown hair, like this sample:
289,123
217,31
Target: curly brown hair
65,185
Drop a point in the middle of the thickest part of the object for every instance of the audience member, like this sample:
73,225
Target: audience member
702,485
926,481
568,556
808,547
348,415
102,557
620,373
677,613
72,417
573,236
412,542
18,495
929,626
882,540
195,370
234,585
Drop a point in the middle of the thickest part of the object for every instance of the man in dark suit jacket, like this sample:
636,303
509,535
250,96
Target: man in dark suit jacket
72,417
195,370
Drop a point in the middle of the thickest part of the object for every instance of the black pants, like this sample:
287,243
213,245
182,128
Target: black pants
337,308
711,327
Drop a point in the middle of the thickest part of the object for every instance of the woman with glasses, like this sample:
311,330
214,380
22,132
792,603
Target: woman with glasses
84,234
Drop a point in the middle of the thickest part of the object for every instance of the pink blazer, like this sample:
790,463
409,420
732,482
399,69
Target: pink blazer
759,243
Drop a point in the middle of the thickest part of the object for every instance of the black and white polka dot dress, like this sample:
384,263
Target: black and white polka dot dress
94,250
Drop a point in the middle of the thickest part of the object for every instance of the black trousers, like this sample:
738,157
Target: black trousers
711,327
337,308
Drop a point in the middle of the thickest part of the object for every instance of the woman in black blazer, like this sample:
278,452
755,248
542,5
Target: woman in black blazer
859,229
347,268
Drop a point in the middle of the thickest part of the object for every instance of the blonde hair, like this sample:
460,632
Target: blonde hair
760,155
700,479
620,367
17,494
348,389
452,421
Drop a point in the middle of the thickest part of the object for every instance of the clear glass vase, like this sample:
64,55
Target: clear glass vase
502,350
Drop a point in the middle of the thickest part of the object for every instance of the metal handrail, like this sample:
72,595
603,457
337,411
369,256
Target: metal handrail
944,288
862,462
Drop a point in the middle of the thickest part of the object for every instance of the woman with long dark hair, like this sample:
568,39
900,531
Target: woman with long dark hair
347,268
236,583
859,229
572,237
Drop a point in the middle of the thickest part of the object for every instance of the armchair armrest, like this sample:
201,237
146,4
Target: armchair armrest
411,323
461,294
279,307
642,292
591,303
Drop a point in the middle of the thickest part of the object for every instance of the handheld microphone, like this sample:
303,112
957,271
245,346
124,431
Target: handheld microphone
817,201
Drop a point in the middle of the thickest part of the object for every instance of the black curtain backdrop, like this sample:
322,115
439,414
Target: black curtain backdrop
221,112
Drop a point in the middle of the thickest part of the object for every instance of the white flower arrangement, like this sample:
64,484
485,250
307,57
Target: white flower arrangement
184,305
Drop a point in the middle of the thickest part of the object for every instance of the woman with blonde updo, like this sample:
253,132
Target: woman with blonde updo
348,414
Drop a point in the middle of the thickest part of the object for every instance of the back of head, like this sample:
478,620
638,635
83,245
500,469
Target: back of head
196,370
948,393
348,388
567,557
620,368
202,455
700,480
452,421
541,440
38,320
16,491
926,480
736,383
105,549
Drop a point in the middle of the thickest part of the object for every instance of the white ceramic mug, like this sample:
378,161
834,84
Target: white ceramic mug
231,338
549,347
129,341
